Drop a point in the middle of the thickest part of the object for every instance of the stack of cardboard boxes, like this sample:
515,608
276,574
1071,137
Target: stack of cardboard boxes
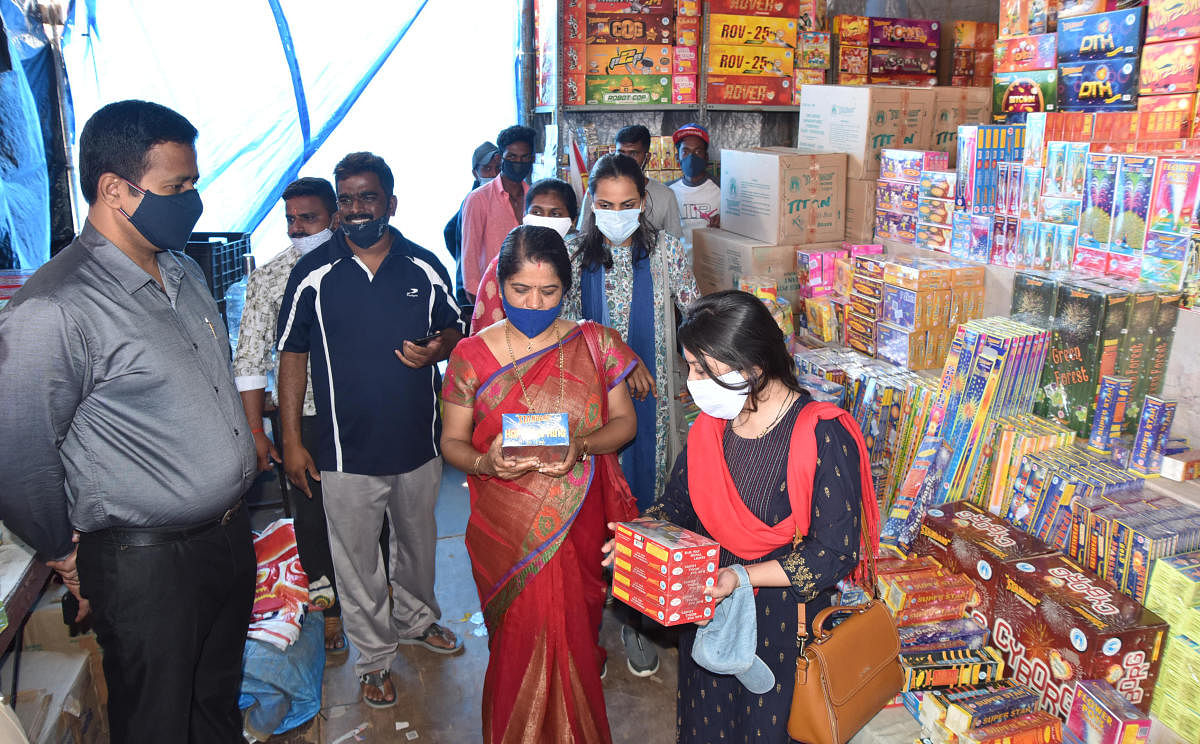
887,51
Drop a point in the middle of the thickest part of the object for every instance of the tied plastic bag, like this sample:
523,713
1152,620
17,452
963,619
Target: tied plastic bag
281,689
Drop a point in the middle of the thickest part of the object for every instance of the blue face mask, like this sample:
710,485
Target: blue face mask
532,323
166,221
693,166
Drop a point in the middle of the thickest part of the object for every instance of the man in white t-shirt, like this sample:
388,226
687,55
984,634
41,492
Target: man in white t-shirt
698,194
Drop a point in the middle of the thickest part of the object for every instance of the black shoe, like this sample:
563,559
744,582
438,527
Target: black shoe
641,656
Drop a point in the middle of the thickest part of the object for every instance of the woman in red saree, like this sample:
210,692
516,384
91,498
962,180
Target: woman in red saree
536,527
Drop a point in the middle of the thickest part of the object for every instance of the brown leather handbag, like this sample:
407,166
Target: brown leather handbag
847,674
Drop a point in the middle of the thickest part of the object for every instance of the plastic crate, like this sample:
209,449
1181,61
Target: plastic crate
220,257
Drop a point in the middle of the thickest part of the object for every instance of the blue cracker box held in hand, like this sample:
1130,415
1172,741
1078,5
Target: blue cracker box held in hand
546,436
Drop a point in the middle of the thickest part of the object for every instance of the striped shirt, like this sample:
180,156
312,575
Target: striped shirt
375,415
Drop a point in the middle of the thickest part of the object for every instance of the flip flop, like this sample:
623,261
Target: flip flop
436,631
377,680
335,634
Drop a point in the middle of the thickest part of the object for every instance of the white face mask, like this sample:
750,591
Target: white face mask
617,224
559,225
486,181
717,401
308,242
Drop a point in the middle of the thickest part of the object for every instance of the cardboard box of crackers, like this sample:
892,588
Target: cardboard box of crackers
1101,716
661,570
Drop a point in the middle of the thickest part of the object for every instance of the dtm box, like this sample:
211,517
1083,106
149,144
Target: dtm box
661,570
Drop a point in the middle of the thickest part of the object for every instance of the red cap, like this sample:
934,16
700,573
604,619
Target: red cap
690,130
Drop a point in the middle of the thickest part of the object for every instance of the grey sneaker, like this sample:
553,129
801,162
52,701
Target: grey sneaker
640,654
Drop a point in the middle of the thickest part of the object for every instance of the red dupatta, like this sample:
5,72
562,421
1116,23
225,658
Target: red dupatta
723,512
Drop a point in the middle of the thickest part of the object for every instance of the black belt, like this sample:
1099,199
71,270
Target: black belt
146,536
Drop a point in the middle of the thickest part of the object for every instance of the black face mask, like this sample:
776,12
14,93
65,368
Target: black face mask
514,171
166,221
367,234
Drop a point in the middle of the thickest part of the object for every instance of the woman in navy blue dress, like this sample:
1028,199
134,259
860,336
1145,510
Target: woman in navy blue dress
783,483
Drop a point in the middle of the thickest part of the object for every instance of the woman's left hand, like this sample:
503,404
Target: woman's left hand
726,582
559,469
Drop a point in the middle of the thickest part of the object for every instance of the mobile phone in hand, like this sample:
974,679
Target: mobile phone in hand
424,340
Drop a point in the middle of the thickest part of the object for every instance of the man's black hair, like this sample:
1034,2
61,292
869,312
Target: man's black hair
365,162
516,133
317,187
117,139
634,134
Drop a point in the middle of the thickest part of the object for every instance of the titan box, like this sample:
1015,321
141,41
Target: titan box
955,107
861,121
780,195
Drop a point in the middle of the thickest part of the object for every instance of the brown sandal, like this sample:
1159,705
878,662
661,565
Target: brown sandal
335,637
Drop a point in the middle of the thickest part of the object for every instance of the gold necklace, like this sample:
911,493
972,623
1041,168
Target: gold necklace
778,416
562,382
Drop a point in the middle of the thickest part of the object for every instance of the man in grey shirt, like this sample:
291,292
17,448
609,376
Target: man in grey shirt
662,208
121,424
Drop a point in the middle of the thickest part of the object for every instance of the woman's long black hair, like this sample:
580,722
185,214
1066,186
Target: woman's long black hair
592,250
737,329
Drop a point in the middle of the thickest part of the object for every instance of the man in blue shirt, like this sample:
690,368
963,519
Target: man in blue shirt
376,313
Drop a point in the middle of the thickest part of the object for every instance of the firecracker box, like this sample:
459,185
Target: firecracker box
1095,221
1098,85
546,436
860,332
684,89
1167,20
863,121
1024,92
932,670
854,60
806,77
916,311
896,196
687,30
1076,8
905,32
1153,428
1026,53
1165,117
782,8
631,6
813,50
688,8
901,228
1057,623
867,287
821,320
937,184
902,347
964,716
852,30
1031,728
686,60
644,90
1169,67
1100,36
574,90
1099,715
912,593
889,60
630,28
935,211
908,165
662,569
903,80
946,634
751,30
749,90
628,59
1181,467
868,307
1134,187
784,196
917,274
743,60
816,270
963,62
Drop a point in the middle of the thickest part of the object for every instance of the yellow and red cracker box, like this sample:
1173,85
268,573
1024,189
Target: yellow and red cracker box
630,28
1029,728
782,8
757,61
574,90
1165,117
849,78
749,90
629,59
964,34
687,30
661,570
854,60
631,6
752,31
574,59
927,590
852,30
931,670
1169,67
986,35
688,8
1168,20
808,77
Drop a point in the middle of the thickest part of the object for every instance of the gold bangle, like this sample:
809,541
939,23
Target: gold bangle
584,450
475,466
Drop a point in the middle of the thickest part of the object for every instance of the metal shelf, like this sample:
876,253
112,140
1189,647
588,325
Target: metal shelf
544,109
738,107
631,107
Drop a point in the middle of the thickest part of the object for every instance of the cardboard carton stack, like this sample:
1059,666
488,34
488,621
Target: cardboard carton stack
618,52
955,107
972,54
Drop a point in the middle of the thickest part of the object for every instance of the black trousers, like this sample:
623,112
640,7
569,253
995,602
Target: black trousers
312,534
171,619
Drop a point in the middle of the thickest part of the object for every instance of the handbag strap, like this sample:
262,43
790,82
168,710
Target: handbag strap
802,635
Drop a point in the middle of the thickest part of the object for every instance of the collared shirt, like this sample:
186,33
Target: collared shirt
255,354
375,415
487,219
119,408
661,209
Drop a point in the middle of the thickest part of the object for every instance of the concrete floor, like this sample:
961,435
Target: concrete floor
439,696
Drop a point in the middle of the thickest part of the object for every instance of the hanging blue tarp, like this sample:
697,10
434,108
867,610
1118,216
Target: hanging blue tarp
264,82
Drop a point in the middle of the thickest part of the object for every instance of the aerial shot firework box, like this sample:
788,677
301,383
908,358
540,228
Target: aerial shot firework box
1026,53
783,8
1095,222
744,60
628,59
1175,191
628,89
1101,35
752,30
1131,204
1169,67
661,570
749,90
1101,716
546,436
630,28
908,165
1167,20
966,539
887,60
905,32
1056,623
1098,85
1024,92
